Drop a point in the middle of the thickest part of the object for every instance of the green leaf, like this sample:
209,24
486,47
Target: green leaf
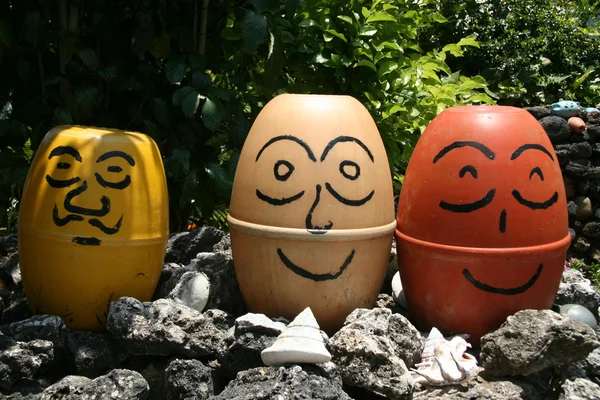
366,63
196,61
88,58
85,96
583,77
291,7
200,80
220,179
161,111
62,117
175,69
381,16
190,103
239,128
437,17
212,114
336,34
346,19
254,31
181,93
31,28
153,130
367,30
308,22
108,73
453,49
469,41
386,67
265,5
190,190
178,162
389,45
6,36
275,62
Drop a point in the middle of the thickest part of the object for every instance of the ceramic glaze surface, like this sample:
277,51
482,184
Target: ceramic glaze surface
93,224
312,209
482,220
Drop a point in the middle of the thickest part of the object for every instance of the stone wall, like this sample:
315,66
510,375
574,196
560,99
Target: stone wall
578,153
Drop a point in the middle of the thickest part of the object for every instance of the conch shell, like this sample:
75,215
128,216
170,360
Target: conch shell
445,362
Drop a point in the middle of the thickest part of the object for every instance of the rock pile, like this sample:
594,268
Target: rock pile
578,153
169,349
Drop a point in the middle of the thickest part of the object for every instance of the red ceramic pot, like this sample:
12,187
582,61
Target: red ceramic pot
482,226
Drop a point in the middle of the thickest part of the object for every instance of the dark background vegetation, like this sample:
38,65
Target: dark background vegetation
193,74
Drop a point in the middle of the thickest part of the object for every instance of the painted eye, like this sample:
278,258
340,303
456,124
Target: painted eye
61,183
283,170
536,171
470,169
350,170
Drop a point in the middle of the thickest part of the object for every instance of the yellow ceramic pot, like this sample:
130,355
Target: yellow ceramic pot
93,223
312,211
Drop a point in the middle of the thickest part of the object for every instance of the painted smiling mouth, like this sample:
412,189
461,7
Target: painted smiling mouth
309,275
504,291
95,222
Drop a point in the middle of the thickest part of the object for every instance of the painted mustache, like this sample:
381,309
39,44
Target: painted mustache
95,222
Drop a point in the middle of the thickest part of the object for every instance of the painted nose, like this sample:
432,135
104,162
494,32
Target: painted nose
70,207
315,229
502,223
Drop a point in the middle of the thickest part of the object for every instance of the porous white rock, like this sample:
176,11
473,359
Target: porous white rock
300,343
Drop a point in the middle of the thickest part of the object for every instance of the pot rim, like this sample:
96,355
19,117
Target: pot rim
558,246
339,235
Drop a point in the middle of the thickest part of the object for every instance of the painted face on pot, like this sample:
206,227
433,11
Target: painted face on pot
91,181
319,166
493,190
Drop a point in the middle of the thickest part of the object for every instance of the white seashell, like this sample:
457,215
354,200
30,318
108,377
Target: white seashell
445,362
193,290
397,291
427,356
300,342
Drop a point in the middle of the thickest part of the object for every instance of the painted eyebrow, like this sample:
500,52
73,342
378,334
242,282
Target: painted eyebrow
531,146
341,139
310,153
459,144
60,150
116,153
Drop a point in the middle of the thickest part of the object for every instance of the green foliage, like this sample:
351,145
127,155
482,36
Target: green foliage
532,52
370,50
151,66
590,271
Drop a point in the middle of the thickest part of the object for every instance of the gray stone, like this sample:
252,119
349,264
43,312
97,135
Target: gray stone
571,208
258,323
532,340
539,112
92,354
166,328
576,150
556,127
183,246
119,384
579,389
42,327
582,244
573,234
284,383
252,334
224,294
592,229
482,390
189,380
366,355
577,170
574,288
19,360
